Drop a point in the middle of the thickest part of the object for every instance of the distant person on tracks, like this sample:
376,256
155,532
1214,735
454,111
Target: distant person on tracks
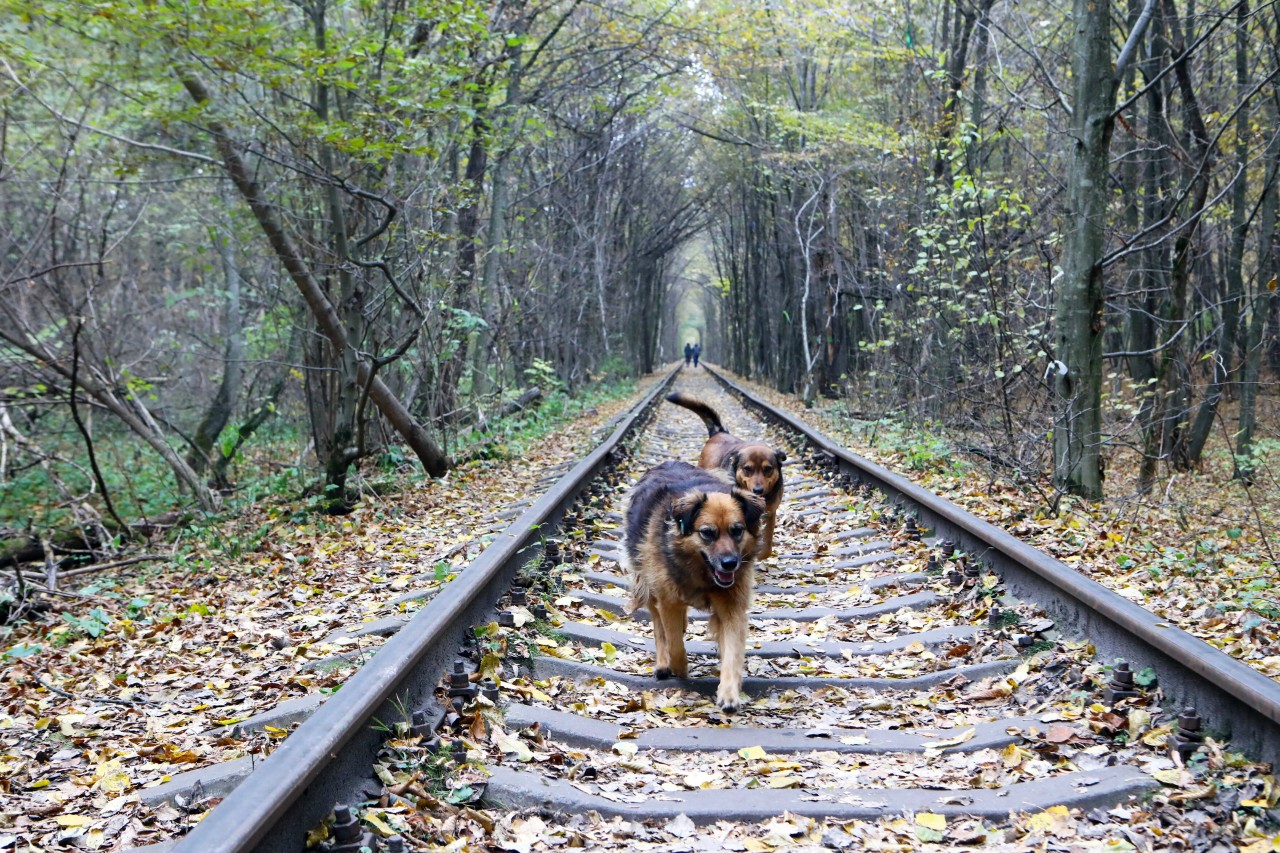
697,352
688,353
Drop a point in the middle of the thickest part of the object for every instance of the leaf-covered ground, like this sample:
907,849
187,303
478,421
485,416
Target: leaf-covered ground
1200,549
128,681
1217,802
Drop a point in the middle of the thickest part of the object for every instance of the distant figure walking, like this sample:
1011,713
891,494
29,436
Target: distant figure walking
688,353
697,351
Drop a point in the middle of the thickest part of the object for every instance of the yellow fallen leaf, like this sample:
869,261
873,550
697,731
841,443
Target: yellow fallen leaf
111,777
512,744
378,824
610,651
72,820
67,724
1055,819
699,779
1012,755
752,753
931,820
1270,844
1177,778
623,747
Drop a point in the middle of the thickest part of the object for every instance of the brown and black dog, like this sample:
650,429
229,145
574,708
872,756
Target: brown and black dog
690,541
755,467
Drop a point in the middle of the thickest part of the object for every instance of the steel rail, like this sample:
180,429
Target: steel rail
327,759
1239,702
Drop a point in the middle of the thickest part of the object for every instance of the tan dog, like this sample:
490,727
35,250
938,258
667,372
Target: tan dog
754,466
691,542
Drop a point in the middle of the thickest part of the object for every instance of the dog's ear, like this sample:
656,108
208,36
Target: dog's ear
685,508
731,462
752,508
780,456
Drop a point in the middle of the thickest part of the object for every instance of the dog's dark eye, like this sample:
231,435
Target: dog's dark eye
736,531
766,471
708,533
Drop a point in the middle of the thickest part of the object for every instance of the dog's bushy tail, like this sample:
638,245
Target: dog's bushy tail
699,408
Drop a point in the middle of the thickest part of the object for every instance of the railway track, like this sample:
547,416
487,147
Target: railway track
905,662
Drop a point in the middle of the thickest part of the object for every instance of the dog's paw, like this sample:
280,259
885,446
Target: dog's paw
728,701
662,674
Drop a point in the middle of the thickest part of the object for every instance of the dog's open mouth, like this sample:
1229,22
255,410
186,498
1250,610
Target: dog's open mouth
724,578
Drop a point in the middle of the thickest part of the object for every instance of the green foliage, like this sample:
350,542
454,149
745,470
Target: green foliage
522,432
93,624
22,650
921,445
542,374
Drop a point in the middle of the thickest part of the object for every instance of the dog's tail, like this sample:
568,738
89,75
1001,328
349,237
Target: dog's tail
699,408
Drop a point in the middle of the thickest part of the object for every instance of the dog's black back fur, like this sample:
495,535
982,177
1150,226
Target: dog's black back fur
659,485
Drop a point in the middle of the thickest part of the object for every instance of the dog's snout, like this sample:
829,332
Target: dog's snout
730,562
759,490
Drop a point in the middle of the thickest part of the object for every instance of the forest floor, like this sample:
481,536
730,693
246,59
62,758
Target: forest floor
118,689
1199,550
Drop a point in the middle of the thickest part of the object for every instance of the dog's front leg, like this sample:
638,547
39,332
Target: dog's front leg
766,545
662,655
672,658
733,649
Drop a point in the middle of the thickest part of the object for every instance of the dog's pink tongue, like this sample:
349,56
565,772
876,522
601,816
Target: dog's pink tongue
724,578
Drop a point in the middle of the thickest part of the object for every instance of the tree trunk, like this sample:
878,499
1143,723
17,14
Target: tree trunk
1268,268
1234,302
1177,378
219,412
428,452
1077,433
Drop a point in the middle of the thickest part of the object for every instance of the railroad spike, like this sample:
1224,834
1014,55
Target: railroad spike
347,835
1121,686
1189,737
459,681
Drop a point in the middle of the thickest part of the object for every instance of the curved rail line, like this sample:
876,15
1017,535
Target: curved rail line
856,607
1242,703
330,754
